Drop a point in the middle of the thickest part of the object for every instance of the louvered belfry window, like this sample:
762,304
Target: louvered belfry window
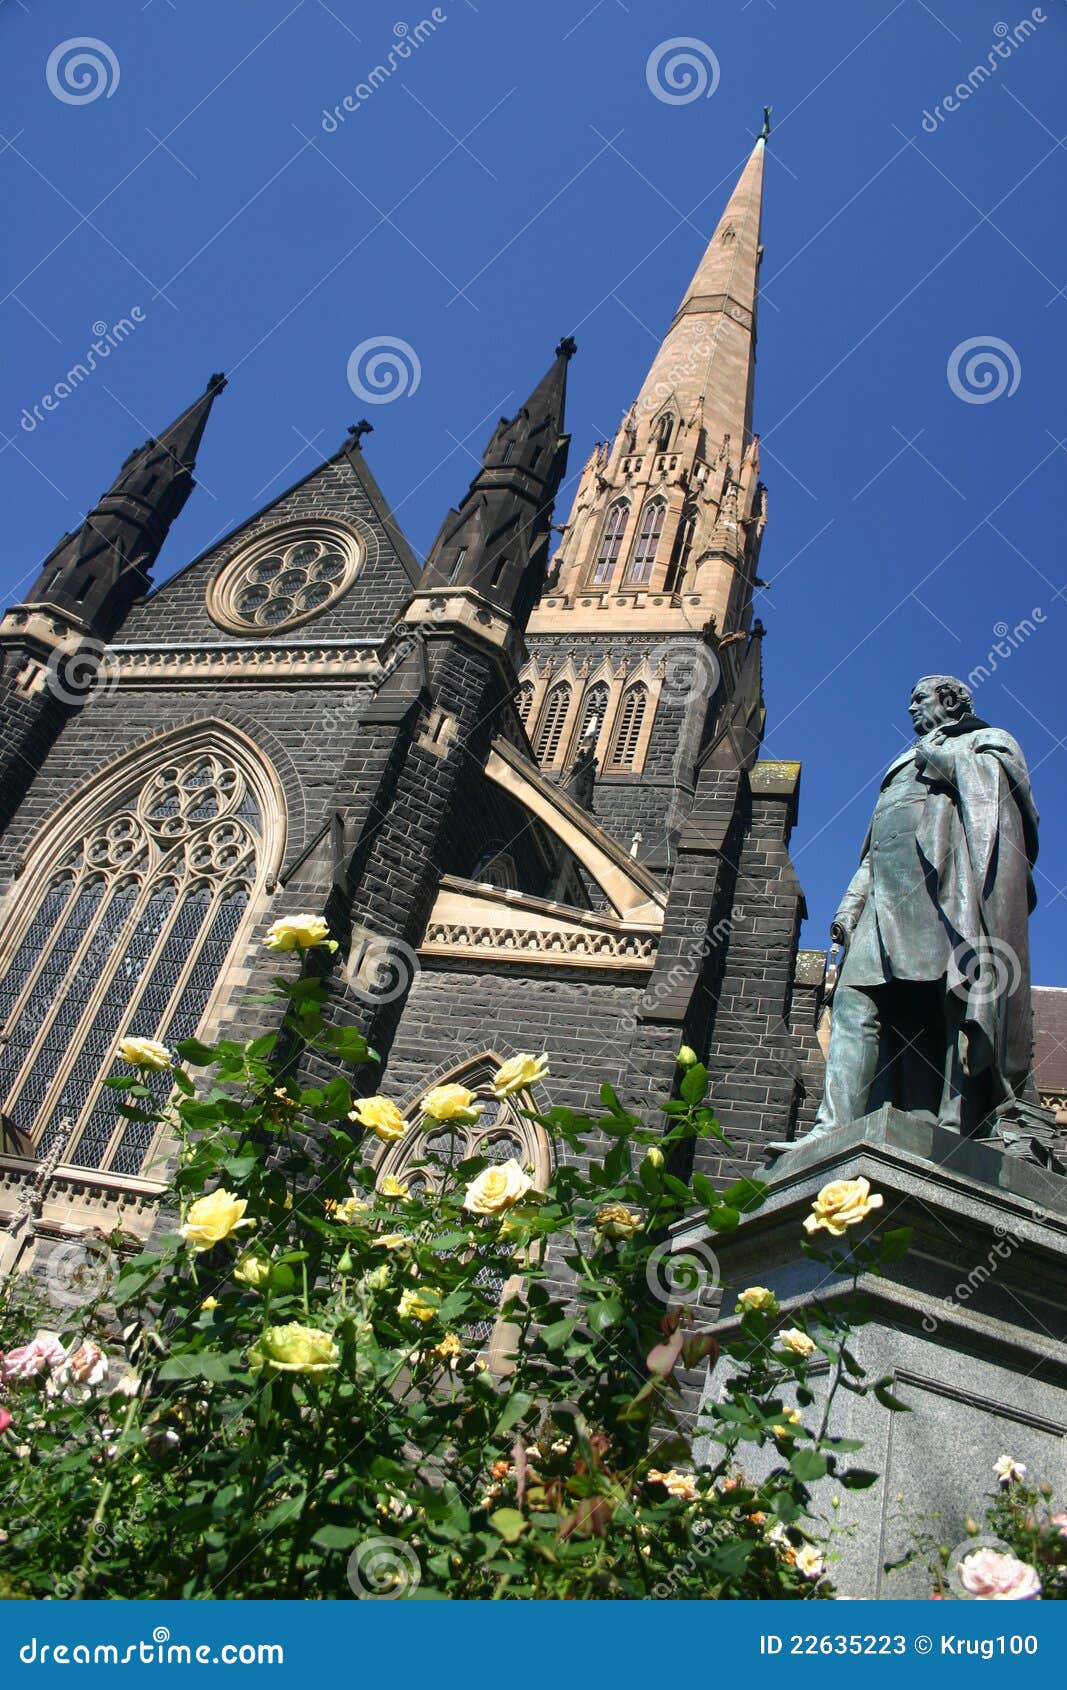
131,932
524,701
648,540
594,709
553,719
628,733
611,542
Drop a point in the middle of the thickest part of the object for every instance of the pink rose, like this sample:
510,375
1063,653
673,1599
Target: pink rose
43,1352
994,1577
5,1420
1059,1520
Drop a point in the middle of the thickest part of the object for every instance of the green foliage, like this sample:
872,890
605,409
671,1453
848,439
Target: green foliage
307,1410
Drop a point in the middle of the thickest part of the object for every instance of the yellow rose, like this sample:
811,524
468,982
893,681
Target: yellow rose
792,1338
451,1103
418,1305
299,933
450,1347
381,1116
496,1188
687,1057
294,1349
393,1241
615,1220
682,1485
654,1157
144,1053
518,1073
211,1219
253,1269
390,1186
209,1303
841,1204
788,1424
345,1210
757,1300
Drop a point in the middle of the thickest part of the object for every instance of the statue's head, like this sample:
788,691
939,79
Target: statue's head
938,699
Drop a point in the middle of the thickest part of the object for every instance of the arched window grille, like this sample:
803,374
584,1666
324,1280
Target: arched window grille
553,718
648,540
424,1160
611,542
130,933
628,732
683,546
594,709
524,701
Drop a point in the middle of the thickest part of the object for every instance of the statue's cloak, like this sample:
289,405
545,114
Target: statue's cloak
977,836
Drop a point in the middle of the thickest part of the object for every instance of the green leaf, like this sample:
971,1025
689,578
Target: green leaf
604,1314
514,1410
745,1194
349,1044
508,1523
694,1083
888,1400
203,1364
555,1336
722,1218
337,1537
857,1478
200,1055
704,1191
808,1464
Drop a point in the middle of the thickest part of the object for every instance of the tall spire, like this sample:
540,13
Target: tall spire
497,540
98,570
667,519
706,364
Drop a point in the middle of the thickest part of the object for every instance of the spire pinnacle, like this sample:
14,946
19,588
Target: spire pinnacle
99,569
497,540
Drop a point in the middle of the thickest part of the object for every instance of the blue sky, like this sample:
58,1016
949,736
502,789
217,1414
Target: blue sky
515,179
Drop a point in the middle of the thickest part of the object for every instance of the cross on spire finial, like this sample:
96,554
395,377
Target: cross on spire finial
358,430
765,131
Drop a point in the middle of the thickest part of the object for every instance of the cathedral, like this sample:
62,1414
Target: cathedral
523,783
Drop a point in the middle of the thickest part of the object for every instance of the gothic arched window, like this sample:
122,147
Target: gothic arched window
594,709
611,542
553,718
137,903
664,430
648,540
683,546
524,701
628,732
423,1160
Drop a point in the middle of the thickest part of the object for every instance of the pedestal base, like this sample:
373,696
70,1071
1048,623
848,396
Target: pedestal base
971,1323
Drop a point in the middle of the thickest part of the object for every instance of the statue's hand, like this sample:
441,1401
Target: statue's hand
841,931
935,752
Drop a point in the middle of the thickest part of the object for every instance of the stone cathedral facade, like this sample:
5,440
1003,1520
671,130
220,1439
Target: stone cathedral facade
523,783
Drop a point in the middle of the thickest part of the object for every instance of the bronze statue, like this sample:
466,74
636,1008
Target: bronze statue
932,1008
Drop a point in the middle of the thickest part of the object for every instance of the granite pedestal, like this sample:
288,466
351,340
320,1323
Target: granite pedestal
971,1324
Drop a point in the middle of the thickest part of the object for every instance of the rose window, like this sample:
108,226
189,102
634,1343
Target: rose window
285,578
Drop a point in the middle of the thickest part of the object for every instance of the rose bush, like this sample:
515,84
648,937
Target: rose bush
299,1368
